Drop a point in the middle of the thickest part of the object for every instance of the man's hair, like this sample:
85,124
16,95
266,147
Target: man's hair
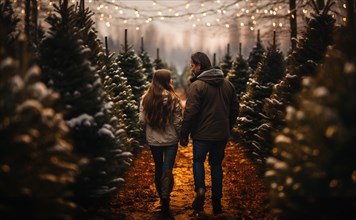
200,58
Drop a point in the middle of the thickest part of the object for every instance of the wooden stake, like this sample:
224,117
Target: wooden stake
106,46
126,44
240,47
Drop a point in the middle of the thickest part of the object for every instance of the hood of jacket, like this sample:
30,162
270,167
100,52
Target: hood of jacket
213,76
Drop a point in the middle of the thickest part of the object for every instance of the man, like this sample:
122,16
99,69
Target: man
210,114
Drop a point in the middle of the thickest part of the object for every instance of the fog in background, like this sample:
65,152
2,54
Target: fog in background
176,42
175,37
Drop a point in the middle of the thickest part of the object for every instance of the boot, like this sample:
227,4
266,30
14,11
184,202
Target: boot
217,208
167,187
198,203
165,206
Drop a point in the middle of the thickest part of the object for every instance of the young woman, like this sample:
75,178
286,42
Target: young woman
161,118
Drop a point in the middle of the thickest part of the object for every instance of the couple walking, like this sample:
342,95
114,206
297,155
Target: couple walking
210,113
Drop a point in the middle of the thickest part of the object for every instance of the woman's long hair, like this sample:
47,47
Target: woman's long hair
159,108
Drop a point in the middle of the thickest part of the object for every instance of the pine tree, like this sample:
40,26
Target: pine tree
239,74
158,62
256,54
146,62
186,76
131,65
67,69
123,103
33,31
113,118
302,62
37,164
8,32
99,56
312,172
174,76
226,62
250,119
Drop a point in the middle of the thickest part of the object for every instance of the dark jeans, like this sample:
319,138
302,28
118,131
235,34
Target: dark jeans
163,157
216,150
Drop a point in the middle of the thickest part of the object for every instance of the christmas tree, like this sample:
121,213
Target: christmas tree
37,164
226,62
239,74
113,110
312,171
250,119
158,62
67,69
8,32
122,101
146,62
256,54
131,65
302,62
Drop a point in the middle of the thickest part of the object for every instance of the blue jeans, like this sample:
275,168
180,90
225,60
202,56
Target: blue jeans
216,150
163,157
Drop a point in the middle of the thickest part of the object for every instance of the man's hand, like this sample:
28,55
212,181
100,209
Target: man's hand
183,142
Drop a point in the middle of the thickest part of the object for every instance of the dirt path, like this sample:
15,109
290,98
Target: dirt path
244,194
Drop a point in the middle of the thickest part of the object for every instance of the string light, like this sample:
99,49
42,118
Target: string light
200,14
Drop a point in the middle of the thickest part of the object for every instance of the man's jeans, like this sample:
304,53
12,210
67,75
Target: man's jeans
163,157
216,150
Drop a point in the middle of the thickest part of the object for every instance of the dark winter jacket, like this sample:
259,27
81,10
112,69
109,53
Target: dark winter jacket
211,108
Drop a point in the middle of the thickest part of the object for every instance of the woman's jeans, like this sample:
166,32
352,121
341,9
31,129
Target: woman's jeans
163,157
216,150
